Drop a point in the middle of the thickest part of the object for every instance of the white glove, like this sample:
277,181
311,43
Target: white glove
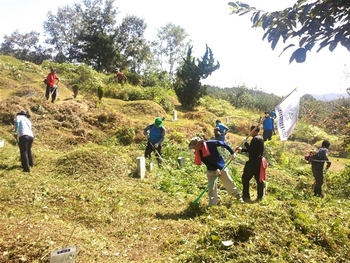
233,156
244,140
155,145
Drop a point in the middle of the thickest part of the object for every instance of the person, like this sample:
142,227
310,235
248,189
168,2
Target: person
217,133
51,85
252,167
223,128
120,77
207,152
24,135
268,126
156,135
273,114
317,165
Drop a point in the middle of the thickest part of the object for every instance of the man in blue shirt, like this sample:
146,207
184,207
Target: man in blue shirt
223,128
268,126
156,132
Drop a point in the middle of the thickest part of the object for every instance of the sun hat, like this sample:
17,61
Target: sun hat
24,112
194,142
158,122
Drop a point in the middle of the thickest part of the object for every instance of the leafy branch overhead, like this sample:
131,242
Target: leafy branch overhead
322,22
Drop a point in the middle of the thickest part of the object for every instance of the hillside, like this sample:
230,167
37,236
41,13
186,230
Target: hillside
84,189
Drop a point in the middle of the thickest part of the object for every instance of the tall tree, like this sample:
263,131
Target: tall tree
131,44
63,30
24,46
169,47
325,22
187,85
98,34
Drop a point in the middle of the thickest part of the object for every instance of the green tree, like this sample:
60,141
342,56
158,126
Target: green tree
131,44
323,22
169,47
25,47
98,35
63,29
187,85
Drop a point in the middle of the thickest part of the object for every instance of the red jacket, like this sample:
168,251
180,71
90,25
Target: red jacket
50,79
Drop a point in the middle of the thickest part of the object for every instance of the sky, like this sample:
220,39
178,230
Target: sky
244,57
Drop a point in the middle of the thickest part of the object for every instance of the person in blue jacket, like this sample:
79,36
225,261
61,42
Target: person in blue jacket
206,152
223,128
156,134
268,126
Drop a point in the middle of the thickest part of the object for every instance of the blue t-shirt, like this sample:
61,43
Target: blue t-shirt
224,129
268,124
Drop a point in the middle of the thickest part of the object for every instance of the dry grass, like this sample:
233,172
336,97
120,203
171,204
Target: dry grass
84,191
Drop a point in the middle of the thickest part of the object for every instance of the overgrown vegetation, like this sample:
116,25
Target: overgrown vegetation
84,189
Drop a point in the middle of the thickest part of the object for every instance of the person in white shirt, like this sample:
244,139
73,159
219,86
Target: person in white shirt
24,135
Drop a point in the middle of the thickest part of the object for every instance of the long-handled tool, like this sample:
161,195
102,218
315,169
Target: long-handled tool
195,202
160,157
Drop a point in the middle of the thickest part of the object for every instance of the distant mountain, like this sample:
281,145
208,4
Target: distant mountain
330,96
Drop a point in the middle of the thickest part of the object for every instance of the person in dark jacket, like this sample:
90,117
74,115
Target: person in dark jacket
207,152
255,152
156,135
317,166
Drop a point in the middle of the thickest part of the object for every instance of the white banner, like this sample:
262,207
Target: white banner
287,113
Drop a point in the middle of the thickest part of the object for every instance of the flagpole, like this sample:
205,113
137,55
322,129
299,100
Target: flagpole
287,96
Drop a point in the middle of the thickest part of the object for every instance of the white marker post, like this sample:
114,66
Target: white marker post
141,167
64,255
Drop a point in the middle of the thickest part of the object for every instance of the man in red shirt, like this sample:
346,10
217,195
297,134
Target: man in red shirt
51,87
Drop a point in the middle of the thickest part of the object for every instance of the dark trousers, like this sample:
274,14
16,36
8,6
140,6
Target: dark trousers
52,91
319,178
252,168
267,134
25,147
150,148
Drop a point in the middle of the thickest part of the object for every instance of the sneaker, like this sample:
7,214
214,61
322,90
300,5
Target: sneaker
247,200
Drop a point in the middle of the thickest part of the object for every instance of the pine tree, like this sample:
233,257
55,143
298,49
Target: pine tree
187,85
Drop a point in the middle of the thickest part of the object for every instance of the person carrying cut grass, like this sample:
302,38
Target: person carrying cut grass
207,152
156,135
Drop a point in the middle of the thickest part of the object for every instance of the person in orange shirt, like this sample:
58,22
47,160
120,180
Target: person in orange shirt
51,85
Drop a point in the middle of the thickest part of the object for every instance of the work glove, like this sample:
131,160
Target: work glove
233,156
156,145
238,149
244,140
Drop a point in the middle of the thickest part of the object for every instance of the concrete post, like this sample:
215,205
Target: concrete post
175,115
141,167
181,161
